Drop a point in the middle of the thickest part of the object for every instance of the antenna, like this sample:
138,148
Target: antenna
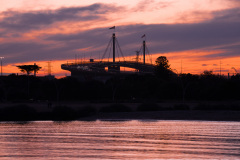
137,54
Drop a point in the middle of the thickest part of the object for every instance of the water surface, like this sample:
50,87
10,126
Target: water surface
120,140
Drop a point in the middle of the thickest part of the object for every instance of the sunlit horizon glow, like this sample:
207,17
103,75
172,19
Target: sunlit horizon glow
194,35
181,64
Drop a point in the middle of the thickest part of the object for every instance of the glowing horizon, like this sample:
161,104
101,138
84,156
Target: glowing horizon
177,65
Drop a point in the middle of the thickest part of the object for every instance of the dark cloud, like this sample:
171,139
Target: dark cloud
227,15
22,51
221,33
25,21
222,54
204,65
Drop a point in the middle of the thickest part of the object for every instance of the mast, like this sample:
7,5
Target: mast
113,38
144,51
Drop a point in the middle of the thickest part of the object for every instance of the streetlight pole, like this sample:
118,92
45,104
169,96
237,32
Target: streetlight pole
1,64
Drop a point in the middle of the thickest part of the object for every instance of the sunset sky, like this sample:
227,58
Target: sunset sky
197,35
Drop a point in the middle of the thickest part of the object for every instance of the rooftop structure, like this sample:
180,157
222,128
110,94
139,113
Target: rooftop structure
106,67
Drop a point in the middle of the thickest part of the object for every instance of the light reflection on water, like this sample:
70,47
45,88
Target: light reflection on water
120,140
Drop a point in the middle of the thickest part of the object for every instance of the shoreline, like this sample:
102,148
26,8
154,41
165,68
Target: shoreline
120,111
168,115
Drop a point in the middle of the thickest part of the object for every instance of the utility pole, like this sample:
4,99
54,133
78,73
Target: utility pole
1,64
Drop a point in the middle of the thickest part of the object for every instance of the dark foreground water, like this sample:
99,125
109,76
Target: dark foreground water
120,140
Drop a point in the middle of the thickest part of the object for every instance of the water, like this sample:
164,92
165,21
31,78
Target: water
120,140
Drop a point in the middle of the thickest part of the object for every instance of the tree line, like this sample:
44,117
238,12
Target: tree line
164,85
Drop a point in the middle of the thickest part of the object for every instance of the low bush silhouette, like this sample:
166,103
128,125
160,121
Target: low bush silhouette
235,107
150,107
116,108
18,113
86,111
181,107
63,113
217,107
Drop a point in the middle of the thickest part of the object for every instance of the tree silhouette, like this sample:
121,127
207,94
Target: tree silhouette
207,73
163,67
29,68
162,62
